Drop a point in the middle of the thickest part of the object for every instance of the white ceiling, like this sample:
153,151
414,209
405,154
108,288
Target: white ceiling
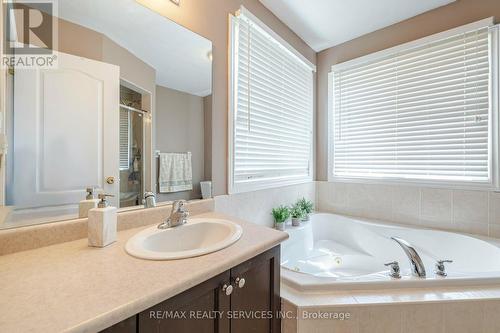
179,56
326,23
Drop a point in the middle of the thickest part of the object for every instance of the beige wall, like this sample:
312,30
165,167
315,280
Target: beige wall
179,127
444,18
209,18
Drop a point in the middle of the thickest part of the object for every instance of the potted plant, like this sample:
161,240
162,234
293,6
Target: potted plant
280,215
307,206
297,215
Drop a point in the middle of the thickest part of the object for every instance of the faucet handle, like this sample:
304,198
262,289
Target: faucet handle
440,268
102,197
179,206
395,271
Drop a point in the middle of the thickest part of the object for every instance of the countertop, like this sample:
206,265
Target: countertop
71,287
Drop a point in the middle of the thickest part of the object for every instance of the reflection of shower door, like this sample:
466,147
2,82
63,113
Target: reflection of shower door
65,132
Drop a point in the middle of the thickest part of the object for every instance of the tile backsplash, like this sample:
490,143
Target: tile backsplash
476,212
256,206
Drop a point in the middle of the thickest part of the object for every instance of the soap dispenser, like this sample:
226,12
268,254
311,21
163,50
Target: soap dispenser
87,204
102,223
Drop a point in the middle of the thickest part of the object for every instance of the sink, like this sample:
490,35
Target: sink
197,237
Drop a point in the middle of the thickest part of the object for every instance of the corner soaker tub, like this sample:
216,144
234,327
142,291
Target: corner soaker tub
335,252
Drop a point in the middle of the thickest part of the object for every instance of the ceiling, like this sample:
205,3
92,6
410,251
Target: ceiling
179,56
326,23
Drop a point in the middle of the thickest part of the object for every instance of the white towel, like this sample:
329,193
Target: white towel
176,172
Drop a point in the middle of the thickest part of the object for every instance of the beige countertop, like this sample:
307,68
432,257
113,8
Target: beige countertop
73,288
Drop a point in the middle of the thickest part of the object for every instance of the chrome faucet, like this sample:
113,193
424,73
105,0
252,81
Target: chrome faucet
417,266
149,200
178,215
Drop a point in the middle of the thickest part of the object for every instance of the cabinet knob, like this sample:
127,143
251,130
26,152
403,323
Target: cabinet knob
240,282
227,289
110,180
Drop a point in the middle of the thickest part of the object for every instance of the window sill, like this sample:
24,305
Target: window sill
418,183
266,184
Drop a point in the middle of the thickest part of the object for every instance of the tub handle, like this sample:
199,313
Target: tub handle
395,271
440,268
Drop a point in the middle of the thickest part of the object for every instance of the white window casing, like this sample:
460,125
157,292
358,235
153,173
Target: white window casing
425,112
270,109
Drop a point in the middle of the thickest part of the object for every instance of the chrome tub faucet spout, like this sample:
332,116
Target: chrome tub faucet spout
417,266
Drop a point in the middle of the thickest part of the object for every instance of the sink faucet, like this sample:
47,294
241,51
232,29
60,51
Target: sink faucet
417,266
149,200
178,215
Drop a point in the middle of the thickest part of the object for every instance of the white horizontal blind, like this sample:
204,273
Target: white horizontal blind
421,114
272,119
124,139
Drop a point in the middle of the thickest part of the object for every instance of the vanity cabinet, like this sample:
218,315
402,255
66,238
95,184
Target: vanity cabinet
243,299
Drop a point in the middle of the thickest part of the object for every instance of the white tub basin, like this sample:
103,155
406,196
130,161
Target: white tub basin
335,252
197,237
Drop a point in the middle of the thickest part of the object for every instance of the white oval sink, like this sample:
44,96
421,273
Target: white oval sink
197,237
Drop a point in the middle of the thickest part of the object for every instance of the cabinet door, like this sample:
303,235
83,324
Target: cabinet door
195,310
256,304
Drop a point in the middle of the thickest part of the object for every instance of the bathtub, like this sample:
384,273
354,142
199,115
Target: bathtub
335,252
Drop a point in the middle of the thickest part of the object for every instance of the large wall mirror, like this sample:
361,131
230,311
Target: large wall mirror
126,110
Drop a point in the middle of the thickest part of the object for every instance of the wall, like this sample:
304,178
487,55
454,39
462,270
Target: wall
476,212
443,18
256,206
478,315
207,107
179,127
209,18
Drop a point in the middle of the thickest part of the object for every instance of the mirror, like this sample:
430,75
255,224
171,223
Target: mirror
125,109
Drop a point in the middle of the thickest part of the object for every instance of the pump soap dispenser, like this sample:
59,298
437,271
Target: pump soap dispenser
102,223
87,204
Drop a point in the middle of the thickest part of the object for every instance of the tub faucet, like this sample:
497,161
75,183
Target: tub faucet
178,215
417,266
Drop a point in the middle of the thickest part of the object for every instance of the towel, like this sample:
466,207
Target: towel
176,172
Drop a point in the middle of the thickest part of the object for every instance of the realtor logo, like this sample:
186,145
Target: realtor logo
31,33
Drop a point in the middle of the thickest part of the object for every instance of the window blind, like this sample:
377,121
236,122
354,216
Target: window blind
124,139
422,113
272,110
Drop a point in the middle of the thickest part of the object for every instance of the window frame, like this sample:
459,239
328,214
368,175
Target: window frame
494,126
233,187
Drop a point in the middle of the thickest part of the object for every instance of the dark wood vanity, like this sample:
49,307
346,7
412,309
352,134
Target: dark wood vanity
245,298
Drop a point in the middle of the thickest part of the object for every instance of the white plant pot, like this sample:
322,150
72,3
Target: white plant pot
296,221
307,217
279,226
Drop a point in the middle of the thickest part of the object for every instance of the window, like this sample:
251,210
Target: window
271,109
423,112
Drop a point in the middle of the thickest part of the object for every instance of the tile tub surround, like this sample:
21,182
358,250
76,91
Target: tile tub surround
73,288
256,206
471,310
468,211
32,237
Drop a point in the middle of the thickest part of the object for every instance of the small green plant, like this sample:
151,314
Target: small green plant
281,214
297,212
306,205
